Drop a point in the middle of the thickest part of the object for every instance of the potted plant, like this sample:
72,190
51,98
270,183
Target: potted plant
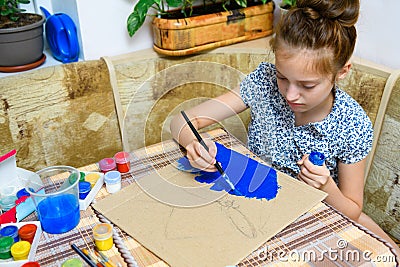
21,37
285,5
181,28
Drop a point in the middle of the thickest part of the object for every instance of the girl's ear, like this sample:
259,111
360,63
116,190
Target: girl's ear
343,72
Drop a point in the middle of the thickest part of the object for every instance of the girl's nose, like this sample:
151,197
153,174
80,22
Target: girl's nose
292,93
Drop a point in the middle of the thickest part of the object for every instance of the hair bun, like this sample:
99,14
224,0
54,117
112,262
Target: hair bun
344,11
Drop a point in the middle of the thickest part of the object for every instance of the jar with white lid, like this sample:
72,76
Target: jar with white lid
113,181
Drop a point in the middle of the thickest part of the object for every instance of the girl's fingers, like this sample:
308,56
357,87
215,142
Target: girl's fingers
204,154
199,157
301,162
310,182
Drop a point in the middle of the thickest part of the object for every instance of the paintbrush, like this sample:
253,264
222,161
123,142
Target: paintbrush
107,262
217,165
83,256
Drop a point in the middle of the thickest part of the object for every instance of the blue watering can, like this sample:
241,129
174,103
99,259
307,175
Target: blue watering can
61,36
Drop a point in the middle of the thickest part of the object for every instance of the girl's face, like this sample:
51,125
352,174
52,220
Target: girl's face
307,92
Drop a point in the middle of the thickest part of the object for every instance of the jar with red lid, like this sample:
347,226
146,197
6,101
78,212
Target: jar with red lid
123,161
107,164
27,232
31,264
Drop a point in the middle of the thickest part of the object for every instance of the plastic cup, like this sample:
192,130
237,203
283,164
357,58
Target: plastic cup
55,198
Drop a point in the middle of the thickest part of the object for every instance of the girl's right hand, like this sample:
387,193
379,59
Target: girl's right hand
200,158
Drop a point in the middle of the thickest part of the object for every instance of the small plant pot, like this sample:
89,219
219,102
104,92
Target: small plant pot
23,45
185,36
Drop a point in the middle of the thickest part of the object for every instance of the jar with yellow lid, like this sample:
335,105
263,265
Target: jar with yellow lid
20,250
102,234
92,178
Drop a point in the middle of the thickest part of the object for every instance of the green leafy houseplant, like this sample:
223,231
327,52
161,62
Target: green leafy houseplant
162,7
287,4
21,36
10,8
12,16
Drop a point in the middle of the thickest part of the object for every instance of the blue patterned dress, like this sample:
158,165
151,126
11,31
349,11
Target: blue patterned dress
344,135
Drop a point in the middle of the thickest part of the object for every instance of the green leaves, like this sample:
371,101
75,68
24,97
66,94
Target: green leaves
140,11
10,8
138,16
288,3
242,3
174,3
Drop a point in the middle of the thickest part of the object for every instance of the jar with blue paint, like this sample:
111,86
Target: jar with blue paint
55,198
11,231
84,189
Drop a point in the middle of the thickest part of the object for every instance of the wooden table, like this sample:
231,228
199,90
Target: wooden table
320,237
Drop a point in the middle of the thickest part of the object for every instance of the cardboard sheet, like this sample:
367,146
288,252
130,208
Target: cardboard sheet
186,224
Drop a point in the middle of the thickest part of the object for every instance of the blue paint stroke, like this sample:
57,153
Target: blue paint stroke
184,165
251,178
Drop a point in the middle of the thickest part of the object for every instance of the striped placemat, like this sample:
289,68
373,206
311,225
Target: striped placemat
321,237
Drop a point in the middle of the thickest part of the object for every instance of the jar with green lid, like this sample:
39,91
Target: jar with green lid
5,247
74,262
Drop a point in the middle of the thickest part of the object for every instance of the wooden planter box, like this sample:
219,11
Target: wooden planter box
180,37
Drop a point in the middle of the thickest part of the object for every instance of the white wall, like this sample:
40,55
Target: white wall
104,33
378,32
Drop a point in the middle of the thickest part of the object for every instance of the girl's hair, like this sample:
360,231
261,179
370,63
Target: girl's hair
325,26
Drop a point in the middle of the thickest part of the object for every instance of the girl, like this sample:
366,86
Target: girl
296,104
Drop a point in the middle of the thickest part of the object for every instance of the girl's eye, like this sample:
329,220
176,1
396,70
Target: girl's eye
308,86
280,78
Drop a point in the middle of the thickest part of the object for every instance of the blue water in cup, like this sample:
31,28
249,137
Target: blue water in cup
56,199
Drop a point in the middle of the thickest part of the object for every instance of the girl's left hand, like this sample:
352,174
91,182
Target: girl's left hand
313,175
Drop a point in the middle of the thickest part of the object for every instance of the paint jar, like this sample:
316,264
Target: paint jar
102,234
113,181
27,232
20,250
92,178
84,189
7,203
5,247
123,160
107,164
31,264
317,158
56,201
74,262
11,231
73,177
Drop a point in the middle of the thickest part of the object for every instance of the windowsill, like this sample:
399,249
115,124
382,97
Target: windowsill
50,61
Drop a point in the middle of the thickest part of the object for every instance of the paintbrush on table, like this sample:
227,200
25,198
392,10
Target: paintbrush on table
217,165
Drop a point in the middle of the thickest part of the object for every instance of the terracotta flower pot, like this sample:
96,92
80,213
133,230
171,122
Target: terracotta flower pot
185,36
22,45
